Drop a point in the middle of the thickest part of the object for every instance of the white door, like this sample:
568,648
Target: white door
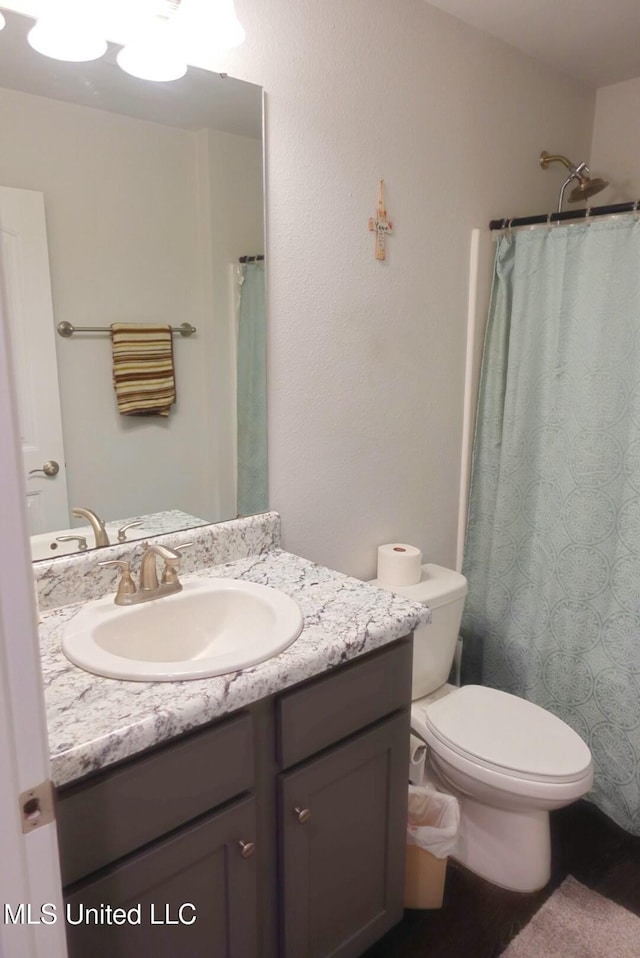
29,869
32,341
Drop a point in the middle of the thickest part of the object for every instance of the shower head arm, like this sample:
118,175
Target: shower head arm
546,158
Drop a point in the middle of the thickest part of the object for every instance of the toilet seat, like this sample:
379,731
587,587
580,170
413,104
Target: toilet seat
504,735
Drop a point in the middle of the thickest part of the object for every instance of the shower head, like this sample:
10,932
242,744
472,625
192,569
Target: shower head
586,186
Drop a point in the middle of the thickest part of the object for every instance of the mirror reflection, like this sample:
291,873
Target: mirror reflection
130,202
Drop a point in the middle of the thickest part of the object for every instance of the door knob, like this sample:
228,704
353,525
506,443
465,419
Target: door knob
49,469
303,815
247,849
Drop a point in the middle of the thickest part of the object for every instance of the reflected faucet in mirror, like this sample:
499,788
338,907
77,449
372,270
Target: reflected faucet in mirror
122,532
97,524
81,540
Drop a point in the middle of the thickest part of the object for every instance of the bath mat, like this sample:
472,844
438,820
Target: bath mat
576,922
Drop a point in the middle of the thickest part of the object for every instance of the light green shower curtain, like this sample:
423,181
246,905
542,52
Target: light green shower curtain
252,392
553,538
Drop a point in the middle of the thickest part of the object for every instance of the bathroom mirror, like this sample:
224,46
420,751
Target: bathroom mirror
152,193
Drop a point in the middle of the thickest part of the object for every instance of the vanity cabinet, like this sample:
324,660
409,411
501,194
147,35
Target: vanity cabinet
164,837
192,893
343,833
281,829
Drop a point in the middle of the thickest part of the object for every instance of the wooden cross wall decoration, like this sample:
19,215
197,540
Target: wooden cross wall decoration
380,224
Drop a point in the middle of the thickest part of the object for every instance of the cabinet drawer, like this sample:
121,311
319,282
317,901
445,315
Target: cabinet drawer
325,710
101,820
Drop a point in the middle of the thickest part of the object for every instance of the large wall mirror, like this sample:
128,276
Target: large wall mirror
126,201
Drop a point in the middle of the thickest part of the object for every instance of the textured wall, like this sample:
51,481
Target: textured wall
366,360
616,141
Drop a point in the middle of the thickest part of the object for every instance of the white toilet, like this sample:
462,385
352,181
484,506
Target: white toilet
508,761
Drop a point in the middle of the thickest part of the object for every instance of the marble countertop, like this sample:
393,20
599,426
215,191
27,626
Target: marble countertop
94,722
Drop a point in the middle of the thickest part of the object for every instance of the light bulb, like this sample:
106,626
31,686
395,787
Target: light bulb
154,55
228,31
212,26
67,38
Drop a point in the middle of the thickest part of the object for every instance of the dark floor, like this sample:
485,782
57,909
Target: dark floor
477,919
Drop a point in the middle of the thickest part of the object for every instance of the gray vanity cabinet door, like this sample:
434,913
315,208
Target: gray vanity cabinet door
343,831
199,871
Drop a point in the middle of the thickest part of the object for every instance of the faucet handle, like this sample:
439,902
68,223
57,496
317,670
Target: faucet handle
185,545
122,532
126,585
170,571
82,542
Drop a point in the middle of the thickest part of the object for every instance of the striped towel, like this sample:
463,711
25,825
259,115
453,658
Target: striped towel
143,373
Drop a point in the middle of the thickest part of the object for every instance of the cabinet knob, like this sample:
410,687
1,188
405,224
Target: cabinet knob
303,815
247,849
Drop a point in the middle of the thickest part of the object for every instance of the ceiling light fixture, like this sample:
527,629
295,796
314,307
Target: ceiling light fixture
225,29
153,56
156,52
158,33
67,32
211,27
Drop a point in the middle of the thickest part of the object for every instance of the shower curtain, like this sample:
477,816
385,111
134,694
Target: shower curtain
252,391
552,550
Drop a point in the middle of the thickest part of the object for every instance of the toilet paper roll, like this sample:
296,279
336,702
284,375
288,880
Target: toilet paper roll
399,564
417,756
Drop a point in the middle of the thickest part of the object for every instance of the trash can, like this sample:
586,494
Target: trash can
432,832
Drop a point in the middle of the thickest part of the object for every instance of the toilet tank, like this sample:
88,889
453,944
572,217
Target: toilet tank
434,645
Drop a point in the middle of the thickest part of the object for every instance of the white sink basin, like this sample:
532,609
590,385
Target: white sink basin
213,626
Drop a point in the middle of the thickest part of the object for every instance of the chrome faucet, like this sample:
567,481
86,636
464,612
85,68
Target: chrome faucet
150,588
99,531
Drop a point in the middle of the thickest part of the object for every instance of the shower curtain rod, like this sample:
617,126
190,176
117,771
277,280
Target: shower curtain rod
566,215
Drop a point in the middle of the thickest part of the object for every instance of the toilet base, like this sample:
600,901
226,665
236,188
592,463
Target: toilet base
509,848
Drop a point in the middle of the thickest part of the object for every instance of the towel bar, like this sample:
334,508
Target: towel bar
68,329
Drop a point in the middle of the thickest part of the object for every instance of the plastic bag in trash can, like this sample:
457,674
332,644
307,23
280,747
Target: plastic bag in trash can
433,820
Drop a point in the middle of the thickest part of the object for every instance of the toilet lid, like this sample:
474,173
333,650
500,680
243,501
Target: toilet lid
502,731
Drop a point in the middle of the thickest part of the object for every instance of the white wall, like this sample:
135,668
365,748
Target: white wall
616,140
123,240
366,359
